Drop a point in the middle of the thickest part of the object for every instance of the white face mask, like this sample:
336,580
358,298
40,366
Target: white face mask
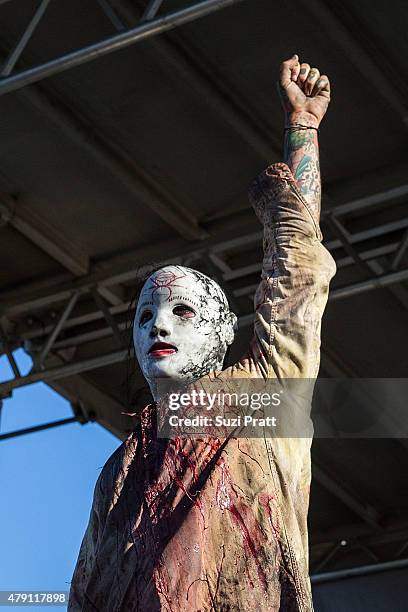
182,327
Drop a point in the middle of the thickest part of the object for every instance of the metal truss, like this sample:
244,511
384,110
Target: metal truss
79,416
147,28
102,290
27,430
341,540
105,286
364,570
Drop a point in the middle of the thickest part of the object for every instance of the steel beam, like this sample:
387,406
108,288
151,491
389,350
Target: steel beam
51,339
384,280
82,318
358,536
4,347
117,356
182,60
400,252
58,372
22,43
370,553
114,43
111,15
105,332
151,9
401,549
360,59
103,307
343,262
145,188
27,430
364,570
389,195
240,241
372,232
29,333
329,556
121,270
114,295
369,267
340,210
357,205
219,262
399,291
368,255
97,404
365,511
216,94
340,231
394,531
331,245
48,238
89,336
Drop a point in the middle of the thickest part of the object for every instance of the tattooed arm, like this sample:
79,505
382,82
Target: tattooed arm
296,267
301,153
305,96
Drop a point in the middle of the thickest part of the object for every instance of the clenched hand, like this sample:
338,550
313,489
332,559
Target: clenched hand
304,92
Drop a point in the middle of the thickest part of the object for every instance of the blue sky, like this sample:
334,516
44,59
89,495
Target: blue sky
47,481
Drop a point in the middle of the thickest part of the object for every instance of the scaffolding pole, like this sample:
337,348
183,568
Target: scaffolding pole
142,31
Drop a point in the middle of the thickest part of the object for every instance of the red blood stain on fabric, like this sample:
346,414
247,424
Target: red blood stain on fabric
243,517
265,501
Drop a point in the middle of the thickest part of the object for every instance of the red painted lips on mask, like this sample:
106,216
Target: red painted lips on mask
162,349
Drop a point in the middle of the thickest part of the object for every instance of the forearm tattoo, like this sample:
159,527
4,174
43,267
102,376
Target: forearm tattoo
301,154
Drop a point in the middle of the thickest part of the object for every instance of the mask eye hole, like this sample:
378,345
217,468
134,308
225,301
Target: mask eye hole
145,317
183,311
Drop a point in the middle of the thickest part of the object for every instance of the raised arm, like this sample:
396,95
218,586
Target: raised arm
296,267
305,95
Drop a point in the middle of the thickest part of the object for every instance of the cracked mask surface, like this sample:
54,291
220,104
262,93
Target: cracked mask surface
182,327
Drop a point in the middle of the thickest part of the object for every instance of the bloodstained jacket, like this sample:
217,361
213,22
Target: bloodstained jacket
185,525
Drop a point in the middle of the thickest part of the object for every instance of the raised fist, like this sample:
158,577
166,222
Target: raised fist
304,92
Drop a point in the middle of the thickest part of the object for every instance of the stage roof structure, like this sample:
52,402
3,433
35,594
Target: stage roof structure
130,131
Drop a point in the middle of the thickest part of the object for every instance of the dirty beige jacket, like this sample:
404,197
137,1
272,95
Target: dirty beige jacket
187,525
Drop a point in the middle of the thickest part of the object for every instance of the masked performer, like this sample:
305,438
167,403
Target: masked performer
183,525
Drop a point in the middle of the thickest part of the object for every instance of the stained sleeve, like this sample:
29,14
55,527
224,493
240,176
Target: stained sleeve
107,491
296,272
86,558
